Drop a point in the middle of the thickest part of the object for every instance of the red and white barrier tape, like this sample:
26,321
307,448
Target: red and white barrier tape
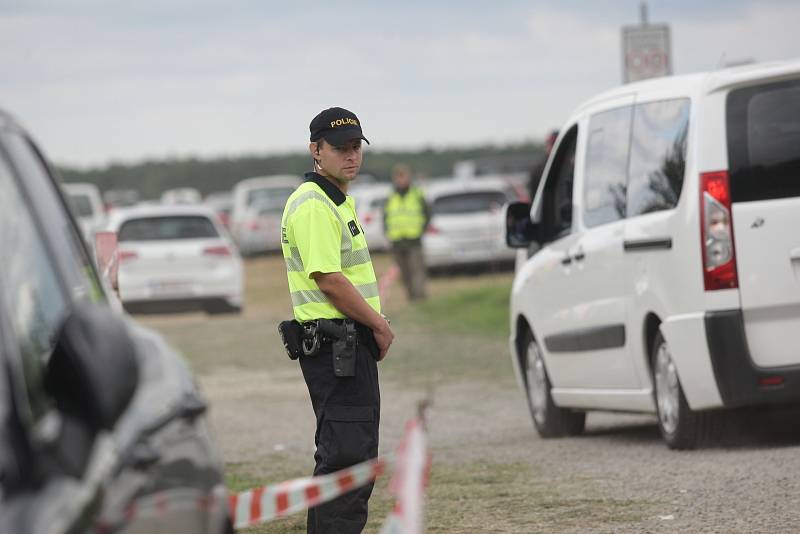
263,504
408,484
410,478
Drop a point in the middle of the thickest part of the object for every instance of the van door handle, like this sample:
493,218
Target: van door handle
566,260
579,256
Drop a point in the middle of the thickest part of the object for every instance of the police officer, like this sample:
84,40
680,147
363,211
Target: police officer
331,277
405,217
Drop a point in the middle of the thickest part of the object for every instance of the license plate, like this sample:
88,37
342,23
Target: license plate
170,288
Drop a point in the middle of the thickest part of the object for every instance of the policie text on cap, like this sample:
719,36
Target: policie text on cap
337,126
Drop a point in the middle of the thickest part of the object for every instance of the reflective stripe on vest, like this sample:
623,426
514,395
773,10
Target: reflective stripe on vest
308,301
405,215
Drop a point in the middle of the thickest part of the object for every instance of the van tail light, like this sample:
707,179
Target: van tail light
368,218
716,232
126,255
431,230
220,250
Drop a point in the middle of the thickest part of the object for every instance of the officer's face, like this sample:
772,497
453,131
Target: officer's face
339,162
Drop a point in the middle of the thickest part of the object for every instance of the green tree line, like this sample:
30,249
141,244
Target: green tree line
151,178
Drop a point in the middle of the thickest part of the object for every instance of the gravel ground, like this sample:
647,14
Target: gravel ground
748,485
619,468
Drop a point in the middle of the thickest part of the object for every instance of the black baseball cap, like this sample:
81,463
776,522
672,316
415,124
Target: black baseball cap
337,126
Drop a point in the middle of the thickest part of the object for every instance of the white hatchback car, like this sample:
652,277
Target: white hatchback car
467,225
176,258
668,278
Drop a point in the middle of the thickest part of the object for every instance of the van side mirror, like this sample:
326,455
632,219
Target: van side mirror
520,231
93,371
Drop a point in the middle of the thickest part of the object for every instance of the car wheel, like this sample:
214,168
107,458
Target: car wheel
550,420
680,426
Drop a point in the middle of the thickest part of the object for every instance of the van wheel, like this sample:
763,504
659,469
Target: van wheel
550,420
680,426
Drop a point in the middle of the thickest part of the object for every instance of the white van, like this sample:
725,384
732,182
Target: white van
667,278
247,193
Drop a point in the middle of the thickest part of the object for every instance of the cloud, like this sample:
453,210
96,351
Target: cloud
157,78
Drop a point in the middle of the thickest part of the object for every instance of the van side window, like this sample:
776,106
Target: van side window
606,166
30,287
658,155
557,201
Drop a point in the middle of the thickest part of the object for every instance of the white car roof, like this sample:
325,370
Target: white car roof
268,181
121,215
439,188
81,188
697,83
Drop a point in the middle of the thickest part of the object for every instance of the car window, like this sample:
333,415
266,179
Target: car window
557,199
272,205
65,239
658,155
605,181
80,204
266,193
470,202
377,203
763,129
161,228
36,301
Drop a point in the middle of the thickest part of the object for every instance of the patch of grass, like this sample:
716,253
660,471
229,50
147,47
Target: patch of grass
479,497
479,311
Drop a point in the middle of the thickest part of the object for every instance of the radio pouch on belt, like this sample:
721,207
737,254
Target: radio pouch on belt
344,346
292,335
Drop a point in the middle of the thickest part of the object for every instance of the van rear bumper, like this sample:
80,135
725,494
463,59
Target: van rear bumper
738,378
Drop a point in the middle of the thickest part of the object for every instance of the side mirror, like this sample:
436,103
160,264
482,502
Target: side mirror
93,371
105,246
520,231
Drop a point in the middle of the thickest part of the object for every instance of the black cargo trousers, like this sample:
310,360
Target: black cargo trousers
348,413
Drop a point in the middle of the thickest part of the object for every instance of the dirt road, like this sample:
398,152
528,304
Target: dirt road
491,472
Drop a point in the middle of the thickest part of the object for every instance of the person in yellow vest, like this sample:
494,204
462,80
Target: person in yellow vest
405,217
338,333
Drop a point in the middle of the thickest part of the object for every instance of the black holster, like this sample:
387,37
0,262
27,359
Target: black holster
305,339
292,336
344,344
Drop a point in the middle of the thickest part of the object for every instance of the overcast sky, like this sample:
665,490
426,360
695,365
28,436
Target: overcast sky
97,81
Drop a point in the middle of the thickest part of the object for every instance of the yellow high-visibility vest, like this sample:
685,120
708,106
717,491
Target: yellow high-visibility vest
405,215
317,235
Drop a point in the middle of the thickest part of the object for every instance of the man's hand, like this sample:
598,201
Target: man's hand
347,300
383,337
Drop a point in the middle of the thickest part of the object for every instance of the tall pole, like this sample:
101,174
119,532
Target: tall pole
643,13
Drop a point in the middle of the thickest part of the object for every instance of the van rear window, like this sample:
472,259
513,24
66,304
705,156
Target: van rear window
763,125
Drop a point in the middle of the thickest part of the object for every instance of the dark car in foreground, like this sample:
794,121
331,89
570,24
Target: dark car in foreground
102,426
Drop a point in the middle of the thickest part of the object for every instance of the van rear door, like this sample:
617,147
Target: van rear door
763,135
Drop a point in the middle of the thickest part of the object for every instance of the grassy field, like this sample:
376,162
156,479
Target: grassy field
458,336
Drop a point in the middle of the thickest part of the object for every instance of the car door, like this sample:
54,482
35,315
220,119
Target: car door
546,290
598,334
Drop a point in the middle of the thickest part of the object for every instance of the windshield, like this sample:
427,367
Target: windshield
469,202
268,193
81,205
162,228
